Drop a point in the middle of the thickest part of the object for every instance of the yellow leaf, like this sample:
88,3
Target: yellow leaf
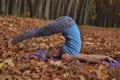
89,43
101,73
57,79
66,75
9,62
90,69
1,65
10,25
57,63
4,22
22,51
82,77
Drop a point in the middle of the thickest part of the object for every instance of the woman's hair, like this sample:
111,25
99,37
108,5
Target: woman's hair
51,52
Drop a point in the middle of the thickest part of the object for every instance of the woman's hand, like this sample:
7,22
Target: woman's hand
103,58
95,58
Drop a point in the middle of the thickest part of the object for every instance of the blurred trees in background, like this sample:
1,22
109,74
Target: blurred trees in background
84,12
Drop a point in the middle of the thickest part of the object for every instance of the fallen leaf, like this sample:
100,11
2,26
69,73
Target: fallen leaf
82,77
66,75
1,65
9,62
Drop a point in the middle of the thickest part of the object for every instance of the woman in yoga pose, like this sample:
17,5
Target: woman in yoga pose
70,50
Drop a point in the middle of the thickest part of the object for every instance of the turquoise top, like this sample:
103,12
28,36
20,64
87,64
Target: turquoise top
72,44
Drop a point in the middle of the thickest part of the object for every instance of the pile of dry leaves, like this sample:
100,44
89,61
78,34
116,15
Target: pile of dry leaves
94,41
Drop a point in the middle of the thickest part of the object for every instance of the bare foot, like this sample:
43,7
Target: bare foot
10,45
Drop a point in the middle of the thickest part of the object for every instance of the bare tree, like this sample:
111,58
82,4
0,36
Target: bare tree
14,7
30,4
37,8
84,12
47,7
85,22
3,6
68,7
59,6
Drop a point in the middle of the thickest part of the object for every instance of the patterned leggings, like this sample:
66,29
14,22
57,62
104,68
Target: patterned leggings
57,26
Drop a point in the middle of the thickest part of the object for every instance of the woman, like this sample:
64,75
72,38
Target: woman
70,50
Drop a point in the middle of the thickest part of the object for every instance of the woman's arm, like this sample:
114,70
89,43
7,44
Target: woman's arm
81,57
88,58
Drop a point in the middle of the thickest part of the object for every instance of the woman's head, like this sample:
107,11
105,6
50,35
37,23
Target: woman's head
54,51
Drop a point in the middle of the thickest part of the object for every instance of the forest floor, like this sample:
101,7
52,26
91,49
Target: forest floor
95,40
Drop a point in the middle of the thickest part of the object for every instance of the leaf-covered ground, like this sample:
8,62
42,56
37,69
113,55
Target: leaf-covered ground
95,40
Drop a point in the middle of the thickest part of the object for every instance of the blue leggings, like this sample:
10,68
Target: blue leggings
56,26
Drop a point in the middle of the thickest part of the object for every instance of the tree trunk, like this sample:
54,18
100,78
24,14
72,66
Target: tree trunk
98,13
62,8
52,5
14,7
81,11
117,4
58,10
30,7
85,22
37,8
68,7
47,7
75,10
3,6
0,7
19,7
7,7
